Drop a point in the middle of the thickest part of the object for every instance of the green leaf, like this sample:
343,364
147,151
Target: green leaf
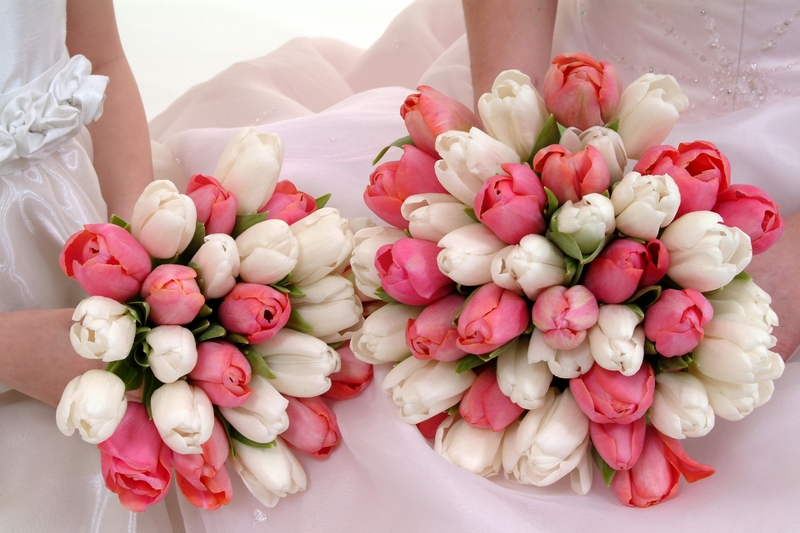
471,213
638,310
244,440
204,311
140,311
673,364
257,363
150,386
322,200
453,410
461,309
649,347
574,270
552,204
380,293
298,323
335,345
289,289
645,297
244,222
613,125
468,362
140,355
199,326
119,222
605,470
235,338
158,261
743,276
197,241
499,350
398,144
141,334
227,426
591,257
128,371
548,135
566,244
213,332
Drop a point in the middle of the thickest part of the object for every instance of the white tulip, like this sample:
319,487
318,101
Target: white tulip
565,364
218,262
588,221
525,383
648,109
732,401
263,416
268,251
549,443
382,339
104,329
471,448
163,220
183,415
645,204
94,404
366,244
744,297
533,265
431,216
468,253
468,160
423,389
300,362
704,254
269,473
173,352
513,112
331,307
249,168
358,223
617,341
680,406
326,242
608,143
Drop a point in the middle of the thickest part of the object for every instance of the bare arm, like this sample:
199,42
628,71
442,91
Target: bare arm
121,140
508,34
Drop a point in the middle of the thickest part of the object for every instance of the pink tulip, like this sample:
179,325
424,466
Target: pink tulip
656,263
216,207
173,295
623,267
202,477
654,478
429,113
581,91
698,168
409,272
432,335
353,377
675,322
485,406
512,206
572,176
492,317
428,427
608,397
222,371
256,311
563,315
289,204
105,260
391,183
620,445
754,212
312,426
135,462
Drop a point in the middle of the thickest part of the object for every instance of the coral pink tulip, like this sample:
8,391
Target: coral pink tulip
754,212
352,378
698,168
222,371
391,183
624,266
608,397
492,317
105,260
289,204
429,113
675,322
581,91
654,478
216,207
572,176
432,334
135,462
620,445
202,477
173,295
512,206
312,426
428,427
257,311
409,272
563,315
485,406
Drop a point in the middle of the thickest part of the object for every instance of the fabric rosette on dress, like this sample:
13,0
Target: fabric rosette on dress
211,305
554,308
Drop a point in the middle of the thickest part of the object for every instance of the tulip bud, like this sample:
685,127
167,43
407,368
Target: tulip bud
367,242
216,207
203,478
645,204
491,317
330,306
289,204
617,341
94,404
312,426
219,263
352,378
263,416
587,221
257,311
572,176
624,266
563,315
382,338
104,329
675,322
745,298
183,415
529,267
222,371
173,352
268,251
432,335
172,294
525,383
468,253
269,473
680,406
565,364
609,397
732,401
485,406
474,449
163,220
753,211
605,140
432,216
409,272
325,243
429,113
620,445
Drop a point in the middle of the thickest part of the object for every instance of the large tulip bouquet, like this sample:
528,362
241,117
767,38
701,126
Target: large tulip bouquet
221,310
546,307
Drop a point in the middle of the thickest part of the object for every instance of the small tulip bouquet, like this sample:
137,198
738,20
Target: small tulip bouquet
547,308
222,310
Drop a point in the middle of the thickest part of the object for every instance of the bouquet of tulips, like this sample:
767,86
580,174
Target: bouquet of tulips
221,310
547,307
